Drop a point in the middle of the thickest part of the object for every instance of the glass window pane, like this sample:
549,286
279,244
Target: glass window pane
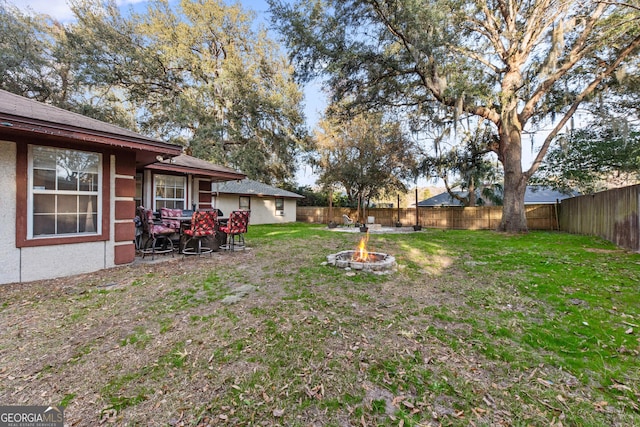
68,204
76,161
67,223
44,225
44,179
139,188
67,180
44,158
88,181
88,204
44,203
88,214
170,191
88,162
244,203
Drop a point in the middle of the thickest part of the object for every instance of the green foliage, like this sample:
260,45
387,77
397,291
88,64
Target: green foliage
39,62
316,197
29,65
366,155
200,75
590,160
67,399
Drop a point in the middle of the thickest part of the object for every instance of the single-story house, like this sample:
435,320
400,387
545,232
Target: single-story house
70,186
534,195
268,205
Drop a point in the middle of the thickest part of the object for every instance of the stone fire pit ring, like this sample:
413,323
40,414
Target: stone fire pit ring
377,261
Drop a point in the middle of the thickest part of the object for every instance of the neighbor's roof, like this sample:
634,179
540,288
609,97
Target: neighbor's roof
249,187
23,117
442,199
534,195
192,165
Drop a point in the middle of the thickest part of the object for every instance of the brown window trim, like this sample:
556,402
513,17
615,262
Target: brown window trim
22,172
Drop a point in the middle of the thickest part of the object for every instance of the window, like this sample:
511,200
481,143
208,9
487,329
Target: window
279,206
245,203
170,191
64,192
139,186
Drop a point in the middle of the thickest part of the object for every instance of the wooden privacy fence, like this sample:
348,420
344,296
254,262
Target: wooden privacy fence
611,214
539,217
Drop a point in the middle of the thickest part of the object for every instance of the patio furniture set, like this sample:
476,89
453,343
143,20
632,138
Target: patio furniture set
188,232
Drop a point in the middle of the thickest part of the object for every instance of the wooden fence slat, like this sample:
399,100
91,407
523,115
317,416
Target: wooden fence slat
539,217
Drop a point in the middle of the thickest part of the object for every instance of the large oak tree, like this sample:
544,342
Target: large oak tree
513,63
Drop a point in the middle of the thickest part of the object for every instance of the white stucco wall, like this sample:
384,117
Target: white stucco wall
263,209
48,262
9,254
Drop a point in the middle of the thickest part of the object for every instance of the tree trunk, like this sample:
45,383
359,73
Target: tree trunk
472,194
514,218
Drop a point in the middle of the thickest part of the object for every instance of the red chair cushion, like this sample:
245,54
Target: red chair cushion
237,224
202,224
166,214
156,229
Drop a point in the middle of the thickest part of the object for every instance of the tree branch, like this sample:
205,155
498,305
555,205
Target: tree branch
493,29
635,44
577,52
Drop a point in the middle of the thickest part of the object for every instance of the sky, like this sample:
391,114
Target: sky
315,101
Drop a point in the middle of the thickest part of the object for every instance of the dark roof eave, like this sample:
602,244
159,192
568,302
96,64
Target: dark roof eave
284,196
22,125
216,175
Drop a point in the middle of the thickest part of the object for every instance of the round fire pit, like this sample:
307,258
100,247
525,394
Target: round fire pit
375,261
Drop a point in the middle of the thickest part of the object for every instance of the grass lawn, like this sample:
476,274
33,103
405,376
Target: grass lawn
474,328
